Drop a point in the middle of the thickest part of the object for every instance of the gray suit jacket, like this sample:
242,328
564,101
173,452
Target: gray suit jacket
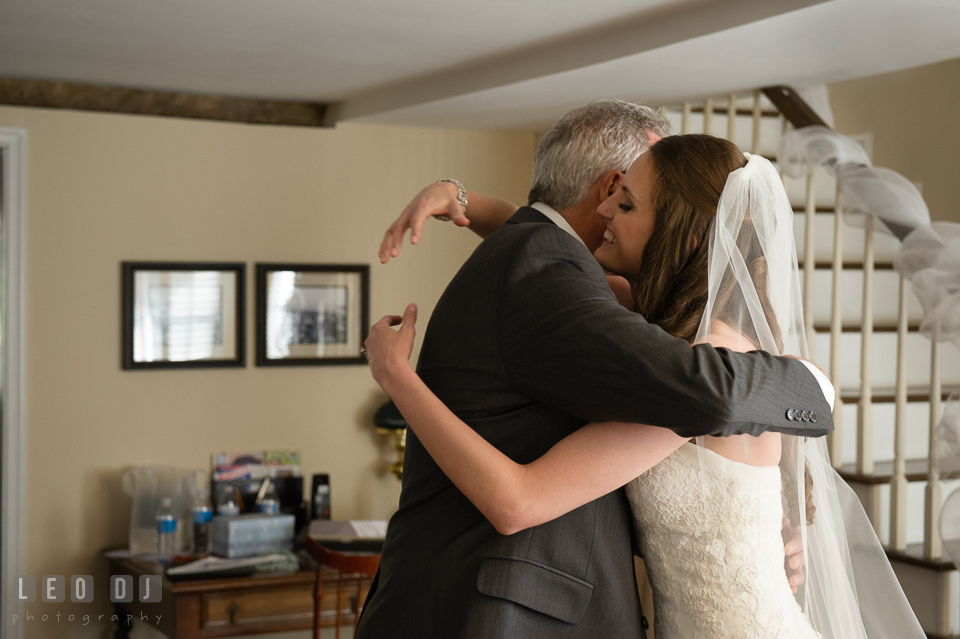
526,345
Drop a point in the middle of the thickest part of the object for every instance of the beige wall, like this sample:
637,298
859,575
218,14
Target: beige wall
912,115
107,188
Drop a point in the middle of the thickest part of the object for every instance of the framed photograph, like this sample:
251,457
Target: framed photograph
183,315
312,314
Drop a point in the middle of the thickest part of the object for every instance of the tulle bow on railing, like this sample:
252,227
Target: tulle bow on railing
948,459
930,258
948,440
929,254
867,190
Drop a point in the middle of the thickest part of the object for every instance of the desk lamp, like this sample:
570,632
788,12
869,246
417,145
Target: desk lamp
389,421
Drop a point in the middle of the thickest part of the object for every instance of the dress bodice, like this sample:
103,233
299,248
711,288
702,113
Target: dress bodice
717,564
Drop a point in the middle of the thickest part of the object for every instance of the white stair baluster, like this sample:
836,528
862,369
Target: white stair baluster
865,407
755,141
731,116
898,482
932,546
835,438
809,263
708,116
685,119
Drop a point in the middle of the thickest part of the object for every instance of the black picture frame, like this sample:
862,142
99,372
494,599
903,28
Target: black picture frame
294,327
226,327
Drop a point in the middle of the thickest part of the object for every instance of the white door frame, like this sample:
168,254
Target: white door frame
13,182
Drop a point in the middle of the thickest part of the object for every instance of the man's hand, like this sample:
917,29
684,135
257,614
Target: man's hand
439,198
793,551
826,386
800,359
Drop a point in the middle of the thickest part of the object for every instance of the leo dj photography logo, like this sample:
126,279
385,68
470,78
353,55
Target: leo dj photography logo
53,589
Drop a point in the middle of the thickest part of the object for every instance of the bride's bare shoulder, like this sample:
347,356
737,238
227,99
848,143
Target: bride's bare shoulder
722,335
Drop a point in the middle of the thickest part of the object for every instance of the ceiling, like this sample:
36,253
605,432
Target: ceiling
469,63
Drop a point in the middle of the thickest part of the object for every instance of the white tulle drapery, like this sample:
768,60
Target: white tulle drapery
947,450
947,446
930,258
929,254
867,190
850,590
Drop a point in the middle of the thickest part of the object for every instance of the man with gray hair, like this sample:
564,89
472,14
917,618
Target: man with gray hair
578,164
527,345
580,160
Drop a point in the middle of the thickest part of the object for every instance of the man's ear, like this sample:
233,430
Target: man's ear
609,183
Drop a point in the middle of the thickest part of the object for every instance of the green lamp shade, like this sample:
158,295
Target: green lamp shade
389,417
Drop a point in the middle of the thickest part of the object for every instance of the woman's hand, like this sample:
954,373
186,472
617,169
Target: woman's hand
793,551
439,198
388,350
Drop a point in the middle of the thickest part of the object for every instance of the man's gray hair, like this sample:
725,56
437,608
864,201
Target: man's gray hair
587,143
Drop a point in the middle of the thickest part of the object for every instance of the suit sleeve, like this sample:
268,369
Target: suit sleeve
566,342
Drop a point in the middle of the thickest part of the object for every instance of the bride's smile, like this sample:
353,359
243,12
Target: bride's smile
630,217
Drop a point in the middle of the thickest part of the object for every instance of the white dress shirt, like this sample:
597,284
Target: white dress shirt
557,219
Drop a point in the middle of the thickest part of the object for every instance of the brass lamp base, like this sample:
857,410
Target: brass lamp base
399,436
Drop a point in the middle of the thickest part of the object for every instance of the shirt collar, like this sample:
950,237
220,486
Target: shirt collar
557,219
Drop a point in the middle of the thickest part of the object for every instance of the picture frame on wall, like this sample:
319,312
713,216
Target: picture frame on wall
312,314
183,315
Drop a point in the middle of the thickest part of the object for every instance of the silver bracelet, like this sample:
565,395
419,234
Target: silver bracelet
461,197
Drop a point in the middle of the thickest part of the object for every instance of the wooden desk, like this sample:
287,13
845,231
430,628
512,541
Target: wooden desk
206,608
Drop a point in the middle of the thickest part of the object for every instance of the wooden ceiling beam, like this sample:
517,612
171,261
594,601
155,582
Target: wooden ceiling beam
89,97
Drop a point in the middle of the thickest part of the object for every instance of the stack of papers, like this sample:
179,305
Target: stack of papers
211,564
348,530
352,536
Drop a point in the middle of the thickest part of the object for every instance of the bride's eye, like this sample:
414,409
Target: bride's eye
625,207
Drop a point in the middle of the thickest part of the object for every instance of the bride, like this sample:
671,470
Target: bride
704,236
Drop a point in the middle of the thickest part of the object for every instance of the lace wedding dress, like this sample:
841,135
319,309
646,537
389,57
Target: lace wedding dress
716,565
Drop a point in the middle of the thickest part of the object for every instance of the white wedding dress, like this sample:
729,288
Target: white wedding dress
716,565
710,528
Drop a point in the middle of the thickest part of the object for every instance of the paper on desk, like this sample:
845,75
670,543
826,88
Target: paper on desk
211,564
370,528
350,529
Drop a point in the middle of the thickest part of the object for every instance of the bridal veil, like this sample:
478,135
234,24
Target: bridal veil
849,589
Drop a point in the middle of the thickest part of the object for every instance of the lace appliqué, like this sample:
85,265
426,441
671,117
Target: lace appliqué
716,564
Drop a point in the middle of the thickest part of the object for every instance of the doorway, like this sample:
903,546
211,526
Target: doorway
12,436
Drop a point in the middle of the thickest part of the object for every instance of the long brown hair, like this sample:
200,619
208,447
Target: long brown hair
689,173
671,288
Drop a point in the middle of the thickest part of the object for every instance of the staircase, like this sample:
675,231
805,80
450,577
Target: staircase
891,380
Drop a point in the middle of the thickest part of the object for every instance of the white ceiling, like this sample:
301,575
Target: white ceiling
478,63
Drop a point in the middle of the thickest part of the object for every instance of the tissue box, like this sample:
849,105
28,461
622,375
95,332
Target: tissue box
249,535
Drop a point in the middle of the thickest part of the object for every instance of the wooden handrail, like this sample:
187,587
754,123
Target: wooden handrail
793,107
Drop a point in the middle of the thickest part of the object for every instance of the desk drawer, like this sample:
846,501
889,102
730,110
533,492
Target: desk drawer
279,606
328,605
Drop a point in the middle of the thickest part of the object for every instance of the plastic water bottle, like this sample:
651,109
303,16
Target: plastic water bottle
270,504
202,516
227,505
166,531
